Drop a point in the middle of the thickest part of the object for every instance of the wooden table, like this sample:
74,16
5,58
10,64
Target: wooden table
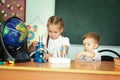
45,71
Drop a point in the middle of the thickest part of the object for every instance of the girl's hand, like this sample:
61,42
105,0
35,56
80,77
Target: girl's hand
46,56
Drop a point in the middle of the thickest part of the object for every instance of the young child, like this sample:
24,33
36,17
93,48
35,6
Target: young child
91,42
55,41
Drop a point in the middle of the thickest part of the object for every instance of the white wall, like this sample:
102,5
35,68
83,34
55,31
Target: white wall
37,13
74,49
42,8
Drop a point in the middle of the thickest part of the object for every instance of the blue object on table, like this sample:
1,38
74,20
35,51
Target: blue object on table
39,53
14,33
0,62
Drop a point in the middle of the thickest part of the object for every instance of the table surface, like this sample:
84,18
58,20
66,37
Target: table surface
103,67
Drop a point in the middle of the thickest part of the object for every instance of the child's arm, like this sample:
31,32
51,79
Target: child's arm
64,49
66,45
85,53
32,46
46,56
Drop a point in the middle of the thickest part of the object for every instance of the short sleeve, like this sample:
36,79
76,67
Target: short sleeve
66,41
97,56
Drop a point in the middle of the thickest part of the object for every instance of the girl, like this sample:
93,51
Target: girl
55,41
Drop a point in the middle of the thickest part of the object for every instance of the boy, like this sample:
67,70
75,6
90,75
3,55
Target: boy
91,42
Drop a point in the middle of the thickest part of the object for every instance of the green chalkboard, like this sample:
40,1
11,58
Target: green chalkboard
83,16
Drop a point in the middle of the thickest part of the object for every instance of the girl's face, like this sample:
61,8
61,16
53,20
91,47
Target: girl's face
89,44
54,31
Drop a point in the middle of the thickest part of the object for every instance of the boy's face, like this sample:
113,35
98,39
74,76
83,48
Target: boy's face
54,31
89,44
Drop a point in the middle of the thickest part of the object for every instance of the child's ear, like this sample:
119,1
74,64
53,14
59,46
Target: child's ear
61,30
96,46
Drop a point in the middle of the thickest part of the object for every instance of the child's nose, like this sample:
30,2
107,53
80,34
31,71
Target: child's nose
85,46
52,34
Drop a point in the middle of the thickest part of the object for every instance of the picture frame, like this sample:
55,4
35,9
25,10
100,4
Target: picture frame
10,8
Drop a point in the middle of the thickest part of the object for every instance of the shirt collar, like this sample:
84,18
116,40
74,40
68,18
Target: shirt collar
55,39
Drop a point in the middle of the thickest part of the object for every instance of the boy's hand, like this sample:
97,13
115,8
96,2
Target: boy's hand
77,56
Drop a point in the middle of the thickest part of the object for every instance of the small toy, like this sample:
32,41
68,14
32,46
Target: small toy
39,52
6,62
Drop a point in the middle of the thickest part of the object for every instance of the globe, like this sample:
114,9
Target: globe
14,33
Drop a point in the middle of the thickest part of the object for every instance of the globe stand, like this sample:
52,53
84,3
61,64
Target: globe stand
6,55
16,55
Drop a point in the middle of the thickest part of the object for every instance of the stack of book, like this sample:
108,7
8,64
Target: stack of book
117,64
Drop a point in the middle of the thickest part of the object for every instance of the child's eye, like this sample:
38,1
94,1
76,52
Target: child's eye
55,32
49,31
88,44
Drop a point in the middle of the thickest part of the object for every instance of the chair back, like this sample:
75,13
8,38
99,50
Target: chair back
105,57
